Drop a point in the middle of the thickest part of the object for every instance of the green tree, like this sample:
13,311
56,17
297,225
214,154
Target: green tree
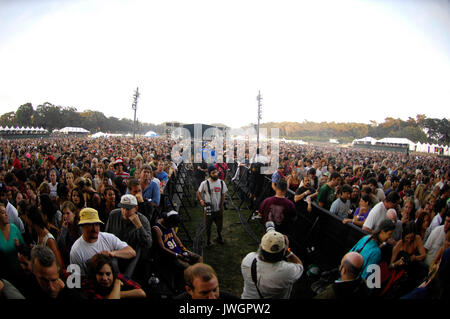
24,115
438,131
7,119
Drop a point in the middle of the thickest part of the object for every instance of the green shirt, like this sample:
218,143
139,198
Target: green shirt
326,196
8,248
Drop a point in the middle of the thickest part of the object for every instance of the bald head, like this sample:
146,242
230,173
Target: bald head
392,215
351,265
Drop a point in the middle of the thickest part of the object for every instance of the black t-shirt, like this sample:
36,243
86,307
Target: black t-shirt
34,292
302,205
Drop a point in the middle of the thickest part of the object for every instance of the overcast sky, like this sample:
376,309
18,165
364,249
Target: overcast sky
205,61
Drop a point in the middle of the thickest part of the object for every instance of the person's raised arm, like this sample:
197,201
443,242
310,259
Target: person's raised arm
420,248
134,293
124,253
395,252
115,292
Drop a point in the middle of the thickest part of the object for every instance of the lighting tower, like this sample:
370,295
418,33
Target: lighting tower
134,107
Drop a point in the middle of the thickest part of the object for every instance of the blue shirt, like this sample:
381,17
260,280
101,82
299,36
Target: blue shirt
163,176
371,253
152,192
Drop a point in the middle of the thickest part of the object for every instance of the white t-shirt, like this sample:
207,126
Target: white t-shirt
434,243
376,215
53,190
216,192
83,251
437,220
275,280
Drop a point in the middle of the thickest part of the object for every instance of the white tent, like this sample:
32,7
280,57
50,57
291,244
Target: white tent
365,140
151,134
98,134
396,141
68,129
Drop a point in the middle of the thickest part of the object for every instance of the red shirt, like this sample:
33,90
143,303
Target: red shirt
89,287
16,164
277,209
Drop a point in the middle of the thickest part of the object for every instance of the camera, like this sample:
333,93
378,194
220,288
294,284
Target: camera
270,226
207,208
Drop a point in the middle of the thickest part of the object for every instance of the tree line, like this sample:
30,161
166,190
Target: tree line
419,129
53,117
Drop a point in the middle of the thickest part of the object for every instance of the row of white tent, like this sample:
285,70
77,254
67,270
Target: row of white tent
433,148
68,130
415,147
14,130
101,134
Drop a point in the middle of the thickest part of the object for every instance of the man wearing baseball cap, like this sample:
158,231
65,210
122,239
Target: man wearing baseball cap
129,225
271,272
92,242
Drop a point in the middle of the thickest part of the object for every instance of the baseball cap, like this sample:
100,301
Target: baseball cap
51,158
273,242
89,216
119,160
128,201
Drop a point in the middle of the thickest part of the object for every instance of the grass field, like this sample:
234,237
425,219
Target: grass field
226,259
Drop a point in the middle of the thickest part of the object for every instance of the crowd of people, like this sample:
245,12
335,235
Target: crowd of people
400,201
101,205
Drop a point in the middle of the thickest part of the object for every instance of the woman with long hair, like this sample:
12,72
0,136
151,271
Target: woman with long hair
52,216
44,237
361,212
109,202
422,224
70,231
104,282
69,181
77,198
369,246
408,254
408,211
293,180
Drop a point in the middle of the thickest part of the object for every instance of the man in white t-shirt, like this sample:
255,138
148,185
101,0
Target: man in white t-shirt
53,184
276,269
211,195
435,240
92,242
378,212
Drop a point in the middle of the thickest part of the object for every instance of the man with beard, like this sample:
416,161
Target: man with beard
211,195
302,193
